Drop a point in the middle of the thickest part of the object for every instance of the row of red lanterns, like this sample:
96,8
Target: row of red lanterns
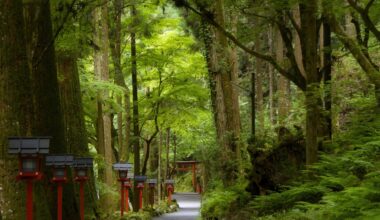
31,151
125,181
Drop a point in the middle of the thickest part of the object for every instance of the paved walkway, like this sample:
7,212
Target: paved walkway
189,205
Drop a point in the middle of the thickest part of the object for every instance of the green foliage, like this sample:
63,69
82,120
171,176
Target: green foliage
184,183
222,201
344,185
282,201
140,215
162,208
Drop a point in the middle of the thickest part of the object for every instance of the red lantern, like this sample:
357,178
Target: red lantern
59,164
81,166
29,151
122,168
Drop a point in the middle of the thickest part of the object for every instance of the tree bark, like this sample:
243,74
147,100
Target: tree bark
310,59
326,71
271,80
48,117
283,84
230,132
101,69
174,154
167,144
253,100
123,140
136,132
159,175
16,105
75,130
259,86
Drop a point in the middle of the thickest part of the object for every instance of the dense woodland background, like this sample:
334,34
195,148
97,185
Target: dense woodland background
279,100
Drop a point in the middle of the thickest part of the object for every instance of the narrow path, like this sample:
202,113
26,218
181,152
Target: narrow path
189,205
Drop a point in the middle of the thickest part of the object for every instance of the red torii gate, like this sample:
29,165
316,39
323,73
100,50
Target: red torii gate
189,166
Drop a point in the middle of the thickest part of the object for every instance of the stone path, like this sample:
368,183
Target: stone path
189,205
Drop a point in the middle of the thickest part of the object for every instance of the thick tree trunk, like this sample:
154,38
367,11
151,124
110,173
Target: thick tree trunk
47,108
229,133
234,77
283,84
310,59
104,119
16,105
75,130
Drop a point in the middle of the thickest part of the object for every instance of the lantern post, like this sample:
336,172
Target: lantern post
29,151
170,188
127,187
152,186
140,180
59,164
122,169
82,166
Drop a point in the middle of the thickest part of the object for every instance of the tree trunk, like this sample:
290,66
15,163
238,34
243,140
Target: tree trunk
259,86
16,105
271,79
229,133
75,130
253,100
297,43
123,143
174,154
167,144
136,132
153,167
327,64
234,68
104,119
47,108
159,175
283,84
309,30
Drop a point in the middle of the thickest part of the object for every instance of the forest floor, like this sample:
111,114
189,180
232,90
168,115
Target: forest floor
189,205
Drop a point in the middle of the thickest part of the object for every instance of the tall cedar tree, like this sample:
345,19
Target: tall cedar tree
16,106
48,118
101,68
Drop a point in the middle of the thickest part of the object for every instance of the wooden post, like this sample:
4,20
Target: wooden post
122,198
151,196
29,200
59,201
127,199
140,198
81,199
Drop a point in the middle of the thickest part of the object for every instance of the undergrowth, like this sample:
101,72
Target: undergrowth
344,184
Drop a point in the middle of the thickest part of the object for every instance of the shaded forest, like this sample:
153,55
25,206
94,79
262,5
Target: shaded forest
278,102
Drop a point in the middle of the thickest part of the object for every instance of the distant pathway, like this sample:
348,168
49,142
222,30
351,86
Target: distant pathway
189,205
